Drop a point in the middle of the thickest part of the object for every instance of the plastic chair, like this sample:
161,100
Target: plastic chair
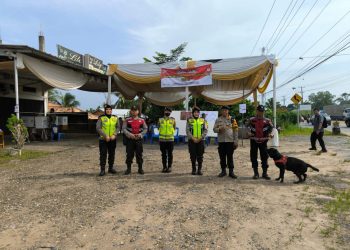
207,140
145,137
155,133
176,135
55,131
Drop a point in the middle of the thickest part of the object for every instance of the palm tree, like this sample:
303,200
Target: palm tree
54,96
68,100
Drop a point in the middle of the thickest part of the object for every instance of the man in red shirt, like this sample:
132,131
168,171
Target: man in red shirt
260,132
134,129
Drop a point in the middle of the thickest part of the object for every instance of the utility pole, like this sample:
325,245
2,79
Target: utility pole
302,94
284,100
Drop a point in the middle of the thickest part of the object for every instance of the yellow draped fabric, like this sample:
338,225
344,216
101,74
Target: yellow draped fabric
230,77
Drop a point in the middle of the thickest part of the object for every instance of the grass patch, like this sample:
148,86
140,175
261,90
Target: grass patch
292,130
6,157
308,211
340,205
338,210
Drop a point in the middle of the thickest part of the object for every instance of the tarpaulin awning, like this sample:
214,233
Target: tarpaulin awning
233,79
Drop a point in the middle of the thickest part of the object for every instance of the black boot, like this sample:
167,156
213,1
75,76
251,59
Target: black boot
256,173
169,169
140,171
111,170
264,175
165,169
102,171
231,174
194,169
199,171
128,170
223,172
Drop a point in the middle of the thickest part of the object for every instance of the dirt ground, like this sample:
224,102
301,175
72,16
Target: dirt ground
59,202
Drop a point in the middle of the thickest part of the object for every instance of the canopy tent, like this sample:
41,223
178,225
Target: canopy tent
233,80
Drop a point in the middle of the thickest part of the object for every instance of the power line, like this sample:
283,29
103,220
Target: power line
326,32
279,23
295,31
328,50
267,18
344,47
314,66
278,37
319,39
308,27
311,57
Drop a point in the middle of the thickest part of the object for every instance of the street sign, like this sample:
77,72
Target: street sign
296,98
242,108
305,107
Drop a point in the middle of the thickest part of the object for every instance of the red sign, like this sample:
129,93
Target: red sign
187,77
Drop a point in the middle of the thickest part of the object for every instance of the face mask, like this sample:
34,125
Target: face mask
167,114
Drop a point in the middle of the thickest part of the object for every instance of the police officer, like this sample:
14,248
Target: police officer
227,129
134,128
260,132
107,128
196,130
167,126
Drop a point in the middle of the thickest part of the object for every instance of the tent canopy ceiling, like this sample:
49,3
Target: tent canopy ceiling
233,78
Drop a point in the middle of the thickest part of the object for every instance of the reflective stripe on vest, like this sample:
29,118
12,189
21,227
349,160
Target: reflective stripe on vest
109,125
166,129
196,126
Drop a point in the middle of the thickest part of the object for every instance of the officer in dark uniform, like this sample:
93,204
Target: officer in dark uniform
107,128
196,130
167,126
260,132
134,129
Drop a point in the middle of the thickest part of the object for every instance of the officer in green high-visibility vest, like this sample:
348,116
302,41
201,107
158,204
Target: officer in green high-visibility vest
167,126
107,128
196,130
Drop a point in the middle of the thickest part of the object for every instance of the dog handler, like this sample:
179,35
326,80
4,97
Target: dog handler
260,132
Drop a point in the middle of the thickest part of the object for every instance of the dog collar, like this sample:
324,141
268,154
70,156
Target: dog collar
283,160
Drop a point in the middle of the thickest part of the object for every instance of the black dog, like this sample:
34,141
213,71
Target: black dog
297,166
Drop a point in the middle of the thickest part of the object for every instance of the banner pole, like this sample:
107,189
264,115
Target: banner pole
186,104
16,87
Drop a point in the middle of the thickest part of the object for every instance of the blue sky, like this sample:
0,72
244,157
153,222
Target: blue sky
124,31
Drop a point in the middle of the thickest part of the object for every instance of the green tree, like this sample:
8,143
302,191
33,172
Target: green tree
321,99
269,104
343,99
69,100
54,96
203,104
173,56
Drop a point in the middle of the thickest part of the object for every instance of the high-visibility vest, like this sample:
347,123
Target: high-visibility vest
109,124
166,128
196,126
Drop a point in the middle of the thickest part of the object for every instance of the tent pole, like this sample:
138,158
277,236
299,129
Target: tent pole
109,90
16,87
186,103
140,103
274,94
255,96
